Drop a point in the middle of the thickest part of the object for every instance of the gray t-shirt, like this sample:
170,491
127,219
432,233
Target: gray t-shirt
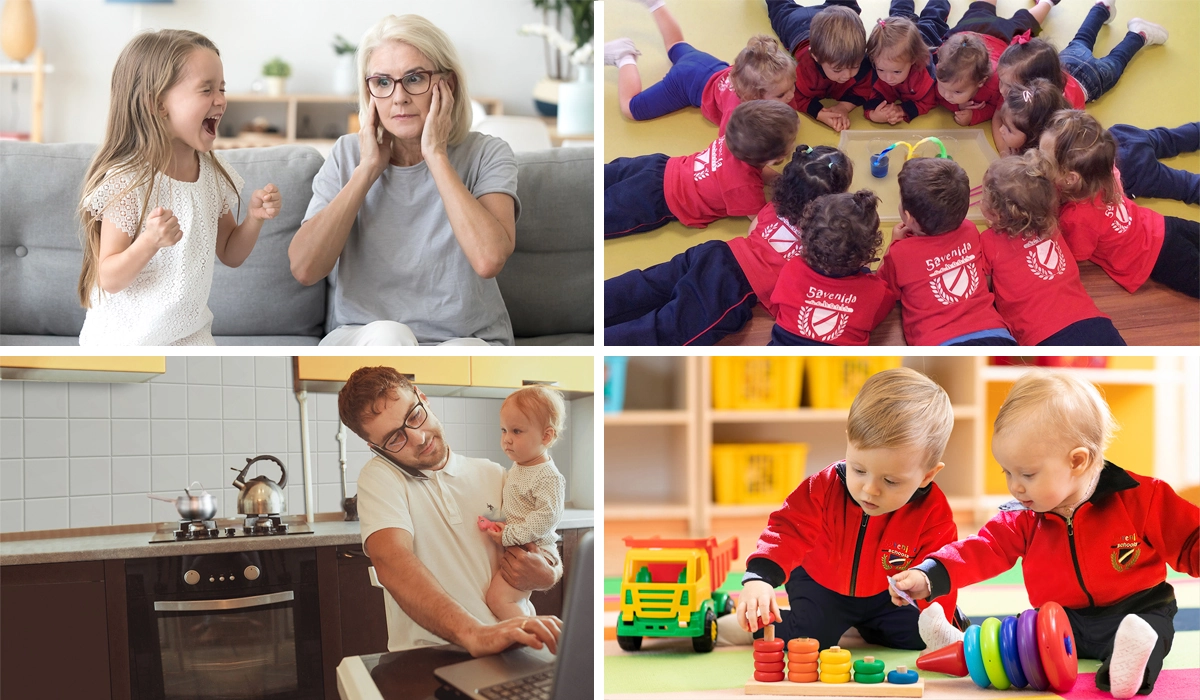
401,261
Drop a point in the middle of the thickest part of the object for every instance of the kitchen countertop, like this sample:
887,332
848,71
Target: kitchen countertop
137,545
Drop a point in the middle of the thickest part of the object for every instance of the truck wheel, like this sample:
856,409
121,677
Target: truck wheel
629,643
727,608
706,641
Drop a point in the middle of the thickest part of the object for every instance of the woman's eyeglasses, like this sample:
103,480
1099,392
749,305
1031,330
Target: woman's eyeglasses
417,82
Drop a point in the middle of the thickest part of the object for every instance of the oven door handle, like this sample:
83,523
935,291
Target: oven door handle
228,604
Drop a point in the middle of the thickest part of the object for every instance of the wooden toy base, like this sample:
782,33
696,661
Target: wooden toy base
841,690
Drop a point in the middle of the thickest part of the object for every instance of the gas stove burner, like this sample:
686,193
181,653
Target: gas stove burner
264,525
197,530
231,528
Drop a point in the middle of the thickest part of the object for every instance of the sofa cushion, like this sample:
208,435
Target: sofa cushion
547,282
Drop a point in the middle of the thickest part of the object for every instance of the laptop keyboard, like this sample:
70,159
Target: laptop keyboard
535,687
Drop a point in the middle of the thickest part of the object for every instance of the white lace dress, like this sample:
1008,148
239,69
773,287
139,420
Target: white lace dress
167,303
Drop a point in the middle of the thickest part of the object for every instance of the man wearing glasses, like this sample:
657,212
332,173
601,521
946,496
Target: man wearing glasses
414,216
418,503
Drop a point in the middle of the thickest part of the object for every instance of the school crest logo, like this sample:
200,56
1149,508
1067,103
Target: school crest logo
1119,216
1045,259
708,160
1125,552
824,315
955,284
784,239
725,84
897,557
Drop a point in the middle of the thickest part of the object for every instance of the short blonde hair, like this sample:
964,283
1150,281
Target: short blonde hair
543,405
1063,402
424,36
899,408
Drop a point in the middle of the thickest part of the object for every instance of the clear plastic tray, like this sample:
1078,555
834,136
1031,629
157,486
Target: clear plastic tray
968,147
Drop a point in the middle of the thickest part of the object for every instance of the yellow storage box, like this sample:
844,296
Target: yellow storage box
756,383
757,473
833,382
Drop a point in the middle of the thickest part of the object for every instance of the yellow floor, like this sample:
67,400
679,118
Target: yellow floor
1159,88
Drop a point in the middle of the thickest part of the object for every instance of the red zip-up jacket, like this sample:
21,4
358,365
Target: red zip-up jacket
812,85
823,529
1118,543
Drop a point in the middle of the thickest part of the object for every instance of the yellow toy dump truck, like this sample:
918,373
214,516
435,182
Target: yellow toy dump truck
668,589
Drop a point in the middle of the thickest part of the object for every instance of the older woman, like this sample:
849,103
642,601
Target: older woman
413,217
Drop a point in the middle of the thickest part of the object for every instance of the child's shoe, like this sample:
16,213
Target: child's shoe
1131,650
936,631
617,49
1112,9
1154,34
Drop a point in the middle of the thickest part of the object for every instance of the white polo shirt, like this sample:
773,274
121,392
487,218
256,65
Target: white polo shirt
440,512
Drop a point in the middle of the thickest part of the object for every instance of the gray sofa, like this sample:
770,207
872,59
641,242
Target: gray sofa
546,284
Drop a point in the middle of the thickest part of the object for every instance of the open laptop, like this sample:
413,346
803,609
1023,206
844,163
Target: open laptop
528,674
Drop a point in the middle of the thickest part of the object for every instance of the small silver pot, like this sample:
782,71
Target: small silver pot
202,506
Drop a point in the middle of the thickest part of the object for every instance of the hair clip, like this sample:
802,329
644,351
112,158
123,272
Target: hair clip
1022,38
883,22
808,150
831,165
1026,95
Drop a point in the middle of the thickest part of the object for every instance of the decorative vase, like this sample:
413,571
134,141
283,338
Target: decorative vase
276,86
19,35
575,103
545,96
345,76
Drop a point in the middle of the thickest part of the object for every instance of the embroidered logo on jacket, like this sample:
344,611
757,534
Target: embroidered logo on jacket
824,315
1125,552
783,238
1119,216
1045,259
953,276
897,557
708,161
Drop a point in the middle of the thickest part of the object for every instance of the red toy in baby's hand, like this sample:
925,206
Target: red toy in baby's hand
486,525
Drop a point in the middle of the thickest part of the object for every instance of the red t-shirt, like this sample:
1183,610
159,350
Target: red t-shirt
711,185
942,288
989,93
812,85
764,251
718,100
834,310
916,95
1036,283
1074,92
1123,239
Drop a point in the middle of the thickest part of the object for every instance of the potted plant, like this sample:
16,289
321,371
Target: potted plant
276,71
564,59
345,76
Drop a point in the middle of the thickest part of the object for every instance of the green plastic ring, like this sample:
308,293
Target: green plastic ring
989,648
868,677
864,666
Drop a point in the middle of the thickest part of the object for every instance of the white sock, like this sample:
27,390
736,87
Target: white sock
653,5
936,631
626,60
1131,650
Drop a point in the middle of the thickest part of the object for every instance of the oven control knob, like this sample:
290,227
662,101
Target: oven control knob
251,573
222,578
191,577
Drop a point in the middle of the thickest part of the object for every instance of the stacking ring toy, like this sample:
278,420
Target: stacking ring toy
835,669
1057,646
802,668
776,667
768,656
836,655
1008,652
902,676
868,677
974,657
838,678
807,658
989,647
768,677
803,677
868,665
803,645
768,645
1027,650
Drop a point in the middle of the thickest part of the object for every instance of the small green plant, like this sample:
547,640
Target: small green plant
342,45
277,68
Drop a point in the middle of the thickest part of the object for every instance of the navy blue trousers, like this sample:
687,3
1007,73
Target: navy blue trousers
1095,630
791,21
981,18
1089,331
781,337
1178,264
633,195
681,87
1138,151
696,298
931,22
1098,75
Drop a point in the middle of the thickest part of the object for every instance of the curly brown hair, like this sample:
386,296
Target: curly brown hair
813,171
362,392
759,66
964,56
1020,197
839,233
1082,146
898,38
936,192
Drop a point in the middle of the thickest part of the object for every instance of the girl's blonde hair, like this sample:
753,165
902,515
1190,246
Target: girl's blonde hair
900,408
899,38
543,405
137,141
759,66
1062,402
424,36
1082,146
1021,196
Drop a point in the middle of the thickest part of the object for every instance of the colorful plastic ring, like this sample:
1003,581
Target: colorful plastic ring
768,656
803,645
804,677
864,666
766,667
989,649
805,658
768,677
1057,645
835,656
907,678
764,645
1008,652
868,677
802,668
835,669
974,658
835,678
1027,650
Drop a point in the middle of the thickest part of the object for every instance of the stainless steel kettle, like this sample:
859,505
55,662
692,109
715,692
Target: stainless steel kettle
260,495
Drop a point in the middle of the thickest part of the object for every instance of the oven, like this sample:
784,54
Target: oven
225,626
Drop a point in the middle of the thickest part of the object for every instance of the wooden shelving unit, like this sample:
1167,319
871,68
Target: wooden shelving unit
658,453
37,70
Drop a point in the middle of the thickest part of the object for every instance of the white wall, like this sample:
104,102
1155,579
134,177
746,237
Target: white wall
82,39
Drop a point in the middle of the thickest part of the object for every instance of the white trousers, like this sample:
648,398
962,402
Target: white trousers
383,333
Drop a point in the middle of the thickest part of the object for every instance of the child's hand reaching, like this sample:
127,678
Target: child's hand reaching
834,119
265,203
962,117
494,530
162,228
912,582
757,606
